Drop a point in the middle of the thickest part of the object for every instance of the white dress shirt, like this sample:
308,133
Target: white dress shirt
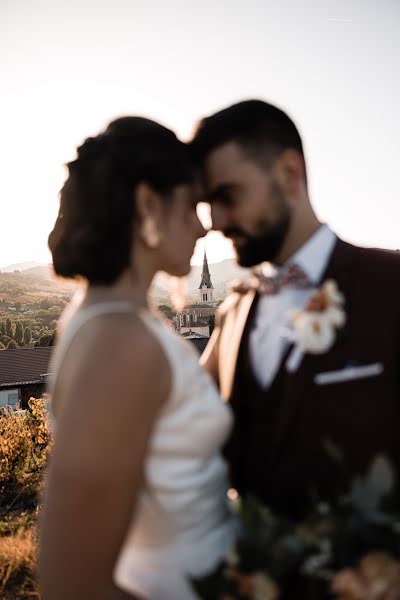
267,342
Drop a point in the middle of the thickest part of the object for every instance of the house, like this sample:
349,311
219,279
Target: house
195,325
23,374
199,341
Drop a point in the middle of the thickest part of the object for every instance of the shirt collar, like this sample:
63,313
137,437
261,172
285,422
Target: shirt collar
314,254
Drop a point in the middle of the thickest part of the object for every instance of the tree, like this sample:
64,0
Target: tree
45,340
18,305
9,328
167,310
45,304
12,345
44,316
2,328
55,312
19,333
27,336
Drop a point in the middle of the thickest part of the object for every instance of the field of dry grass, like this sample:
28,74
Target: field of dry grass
18,566
24,448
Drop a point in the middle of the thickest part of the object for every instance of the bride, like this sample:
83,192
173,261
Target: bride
136,497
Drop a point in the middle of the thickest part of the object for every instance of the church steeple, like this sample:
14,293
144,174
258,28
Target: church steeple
206,287
205,275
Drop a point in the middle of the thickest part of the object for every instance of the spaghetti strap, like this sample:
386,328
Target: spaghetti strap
73,325
83,315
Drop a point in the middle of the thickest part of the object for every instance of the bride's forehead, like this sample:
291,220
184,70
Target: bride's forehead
190,193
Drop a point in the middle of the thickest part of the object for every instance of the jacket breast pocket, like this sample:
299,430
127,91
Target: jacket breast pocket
351,373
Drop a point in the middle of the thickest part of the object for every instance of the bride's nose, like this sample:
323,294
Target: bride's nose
204,217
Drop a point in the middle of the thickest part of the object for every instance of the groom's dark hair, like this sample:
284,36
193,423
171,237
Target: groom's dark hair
261,129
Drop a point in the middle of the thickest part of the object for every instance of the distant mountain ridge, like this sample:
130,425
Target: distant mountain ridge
24,266
222,273
41,272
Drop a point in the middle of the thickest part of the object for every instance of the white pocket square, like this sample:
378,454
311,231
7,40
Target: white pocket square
349,373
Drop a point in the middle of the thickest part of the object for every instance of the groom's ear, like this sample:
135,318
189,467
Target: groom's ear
289,170
147,201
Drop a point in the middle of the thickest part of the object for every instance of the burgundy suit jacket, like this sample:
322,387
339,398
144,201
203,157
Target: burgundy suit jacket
360,416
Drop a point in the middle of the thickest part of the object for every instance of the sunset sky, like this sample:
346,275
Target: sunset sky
67,67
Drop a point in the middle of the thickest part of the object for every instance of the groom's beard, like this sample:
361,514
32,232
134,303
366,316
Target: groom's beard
256,250
266,245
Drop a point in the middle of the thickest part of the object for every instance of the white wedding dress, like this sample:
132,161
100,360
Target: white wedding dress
181,526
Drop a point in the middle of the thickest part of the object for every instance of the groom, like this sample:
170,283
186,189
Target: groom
305,422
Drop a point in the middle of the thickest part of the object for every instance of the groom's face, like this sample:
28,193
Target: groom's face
247,204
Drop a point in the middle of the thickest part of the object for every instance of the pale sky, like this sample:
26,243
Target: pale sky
67,67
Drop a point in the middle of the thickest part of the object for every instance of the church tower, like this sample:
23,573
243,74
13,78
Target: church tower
206,287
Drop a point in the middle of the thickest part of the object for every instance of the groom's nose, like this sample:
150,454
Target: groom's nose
219,217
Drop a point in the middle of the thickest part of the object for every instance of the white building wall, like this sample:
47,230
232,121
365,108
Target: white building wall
206,295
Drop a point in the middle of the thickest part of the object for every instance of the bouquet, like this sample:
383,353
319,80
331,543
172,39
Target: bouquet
350,546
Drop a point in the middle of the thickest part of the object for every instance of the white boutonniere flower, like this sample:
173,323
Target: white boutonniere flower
313,329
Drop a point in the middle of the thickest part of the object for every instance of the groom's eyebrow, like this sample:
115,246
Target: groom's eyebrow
220,192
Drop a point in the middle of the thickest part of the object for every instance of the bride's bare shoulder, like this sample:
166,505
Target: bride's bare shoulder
116,351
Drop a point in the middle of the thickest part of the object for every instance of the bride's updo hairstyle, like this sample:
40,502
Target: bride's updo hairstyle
92,236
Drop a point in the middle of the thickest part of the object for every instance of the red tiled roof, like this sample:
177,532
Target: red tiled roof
23,366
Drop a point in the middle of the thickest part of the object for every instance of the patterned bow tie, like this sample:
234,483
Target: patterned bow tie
291,276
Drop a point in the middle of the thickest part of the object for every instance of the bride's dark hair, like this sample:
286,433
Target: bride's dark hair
92,236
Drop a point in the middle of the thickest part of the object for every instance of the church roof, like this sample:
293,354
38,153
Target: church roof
205,275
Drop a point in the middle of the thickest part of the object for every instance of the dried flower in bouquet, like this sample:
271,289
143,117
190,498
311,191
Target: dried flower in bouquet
377,577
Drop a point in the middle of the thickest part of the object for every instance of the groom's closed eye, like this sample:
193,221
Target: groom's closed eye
223,194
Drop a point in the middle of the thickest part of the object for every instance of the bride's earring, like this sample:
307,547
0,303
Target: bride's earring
150,233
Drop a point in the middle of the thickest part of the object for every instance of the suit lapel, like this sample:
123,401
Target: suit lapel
231,337
296,384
